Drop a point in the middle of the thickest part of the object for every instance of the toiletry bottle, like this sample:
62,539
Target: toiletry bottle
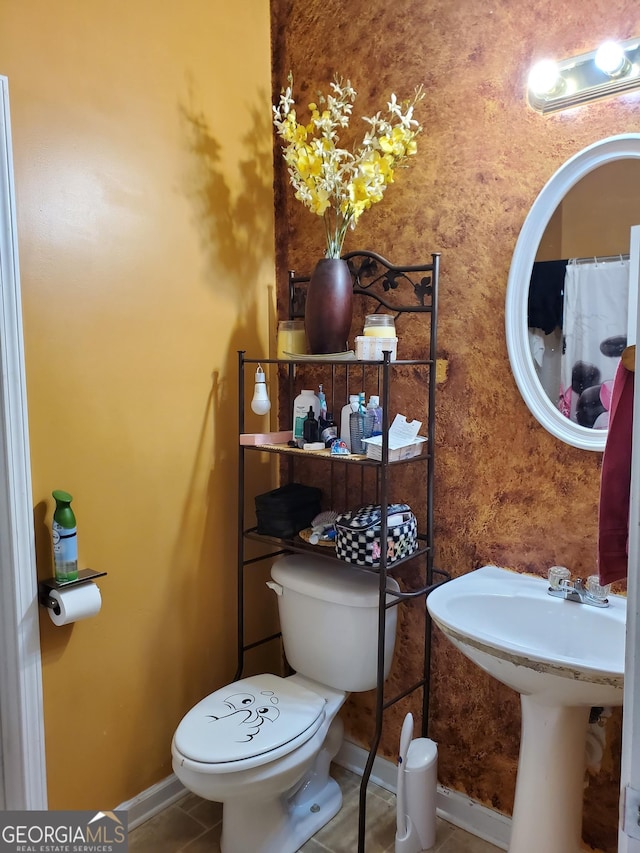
65,540
355,429
345,434
323,404
310,429
301,405
328,430
360,425
374,406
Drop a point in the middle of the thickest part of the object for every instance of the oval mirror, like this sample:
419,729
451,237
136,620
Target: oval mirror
519,343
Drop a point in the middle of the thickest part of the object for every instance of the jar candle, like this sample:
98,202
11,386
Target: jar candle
379,326
291,338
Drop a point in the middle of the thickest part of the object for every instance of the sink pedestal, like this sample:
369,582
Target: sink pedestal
563,658
547,812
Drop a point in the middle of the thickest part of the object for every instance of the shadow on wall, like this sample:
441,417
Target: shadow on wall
228,193
235,234
228,212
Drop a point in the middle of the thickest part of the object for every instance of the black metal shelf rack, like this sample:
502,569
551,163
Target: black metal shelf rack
383,285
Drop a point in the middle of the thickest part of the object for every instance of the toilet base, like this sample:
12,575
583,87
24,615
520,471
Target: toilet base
278,827
284,824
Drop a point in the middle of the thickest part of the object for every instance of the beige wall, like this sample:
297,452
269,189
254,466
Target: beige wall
600,210
595,215
143,170
506,491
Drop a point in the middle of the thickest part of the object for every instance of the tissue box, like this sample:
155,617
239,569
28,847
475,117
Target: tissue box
370,347
358,534
374,451
404,441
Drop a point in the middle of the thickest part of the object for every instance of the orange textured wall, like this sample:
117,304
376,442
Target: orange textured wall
143,171
506,491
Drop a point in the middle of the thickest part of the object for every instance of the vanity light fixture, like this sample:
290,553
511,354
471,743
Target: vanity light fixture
610,70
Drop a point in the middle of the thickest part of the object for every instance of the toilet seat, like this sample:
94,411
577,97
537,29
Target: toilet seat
248,723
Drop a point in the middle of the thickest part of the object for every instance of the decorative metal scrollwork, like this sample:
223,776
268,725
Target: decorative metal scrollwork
377,278
423,288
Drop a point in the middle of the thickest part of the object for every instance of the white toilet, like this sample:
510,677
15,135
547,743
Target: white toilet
262,746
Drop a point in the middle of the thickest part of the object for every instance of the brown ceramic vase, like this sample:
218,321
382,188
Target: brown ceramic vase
329,307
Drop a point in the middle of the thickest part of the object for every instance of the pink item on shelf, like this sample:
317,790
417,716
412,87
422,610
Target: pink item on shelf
257,438
615,482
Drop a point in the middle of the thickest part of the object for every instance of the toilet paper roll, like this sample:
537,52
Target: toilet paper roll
77,602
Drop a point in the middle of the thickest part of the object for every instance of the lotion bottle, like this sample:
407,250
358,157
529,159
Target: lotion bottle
65,539
345,433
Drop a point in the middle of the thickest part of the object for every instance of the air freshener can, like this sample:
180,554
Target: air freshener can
65,538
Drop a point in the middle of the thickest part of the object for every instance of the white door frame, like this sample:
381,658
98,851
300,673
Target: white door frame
21,712
630,769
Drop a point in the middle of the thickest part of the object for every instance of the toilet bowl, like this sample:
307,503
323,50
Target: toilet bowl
263,745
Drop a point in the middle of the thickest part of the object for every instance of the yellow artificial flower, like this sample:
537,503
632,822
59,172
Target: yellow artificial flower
395,143
337,183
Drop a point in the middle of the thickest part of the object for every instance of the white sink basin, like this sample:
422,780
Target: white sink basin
562,657
565,653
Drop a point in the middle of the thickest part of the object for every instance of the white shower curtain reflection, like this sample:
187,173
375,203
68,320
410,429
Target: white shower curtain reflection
596,296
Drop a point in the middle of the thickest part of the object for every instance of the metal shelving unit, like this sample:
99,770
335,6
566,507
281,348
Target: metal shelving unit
382,285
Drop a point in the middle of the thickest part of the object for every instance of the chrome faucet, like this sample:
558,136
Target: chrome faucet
577,591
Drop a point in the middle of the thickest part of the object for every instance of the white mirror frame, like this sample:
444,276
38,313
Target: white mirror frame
625,146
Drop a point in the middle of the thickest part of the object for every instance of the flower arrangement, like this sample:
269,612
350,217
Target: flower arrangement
334,182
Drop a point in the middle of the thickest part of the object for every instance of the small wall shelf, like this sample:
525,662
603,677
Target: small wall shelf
45,587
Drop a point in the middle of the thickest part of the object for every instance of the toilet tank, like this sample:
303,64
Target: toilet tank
329,620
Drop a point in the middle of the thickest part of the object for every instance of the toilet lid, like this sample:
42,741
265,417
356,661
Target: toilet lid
249,718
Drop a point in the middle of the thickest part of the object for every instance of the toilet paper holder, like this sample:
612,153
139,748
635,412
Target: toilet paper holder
45,587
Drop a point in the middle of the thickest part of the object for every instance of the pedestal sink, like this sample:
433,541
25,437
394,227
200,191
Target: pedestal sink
563,657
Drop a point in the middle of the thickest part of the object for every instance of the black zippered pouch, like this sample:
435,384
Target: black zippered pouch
285,511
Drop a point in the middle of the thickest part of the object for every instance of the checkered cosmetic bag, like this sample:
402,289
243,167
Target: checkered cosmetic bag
358,534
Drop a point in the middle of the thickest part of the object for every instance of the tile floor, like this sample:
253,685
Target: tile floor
193,825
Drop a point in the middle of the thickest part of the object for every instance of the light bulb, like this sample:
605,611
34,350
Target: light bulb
544,78
260,403
611,60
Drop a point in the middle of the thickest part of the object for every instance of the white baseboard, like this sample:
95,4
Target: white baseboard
152,801
451,806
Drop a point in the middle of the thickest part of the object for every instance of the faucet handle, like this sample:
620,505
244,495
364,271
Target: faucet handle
595,589
558,576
